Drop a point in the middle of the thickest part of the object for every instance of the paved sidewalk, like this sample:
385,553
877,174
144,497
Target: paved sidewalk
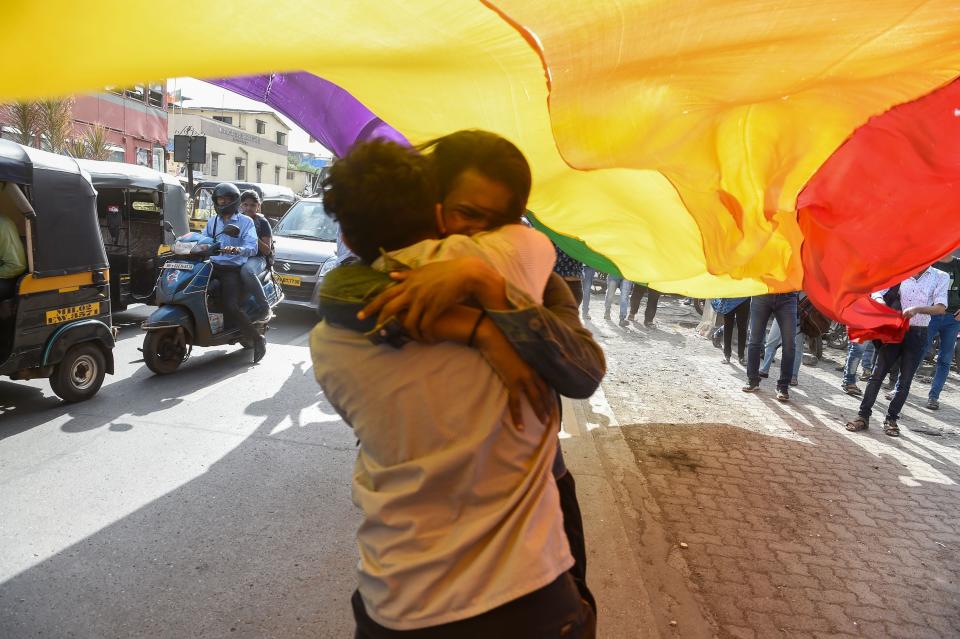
758,519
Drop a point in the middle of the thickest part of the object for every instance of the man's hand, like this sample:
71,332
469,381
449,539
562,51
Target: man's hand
230,250
521,380
956,316
424,294
911,312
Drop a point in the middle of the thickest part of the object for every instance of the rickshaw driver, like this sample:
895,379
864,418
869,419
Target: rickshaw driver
234,253
13,260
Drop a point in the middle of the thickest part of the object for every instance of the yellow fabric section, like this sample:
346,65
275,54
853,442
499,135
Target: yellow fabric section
660,99
737,102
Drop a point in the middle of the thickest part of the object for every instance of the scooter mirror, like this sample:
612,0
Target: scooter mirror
231,230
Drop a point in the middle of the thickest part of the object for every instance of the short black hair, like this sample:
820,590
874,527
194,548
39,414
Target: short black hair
383,196
250,194
489,154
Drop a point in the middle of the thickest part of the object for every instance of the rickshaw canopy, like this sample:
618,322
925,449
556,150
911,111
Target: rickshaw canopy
66,235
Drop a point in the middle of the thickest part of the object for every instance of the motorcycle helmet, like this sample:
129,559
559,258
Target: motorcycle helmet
226,189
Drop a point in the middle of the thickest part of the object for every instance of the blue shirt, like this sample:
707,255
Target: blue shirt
247,240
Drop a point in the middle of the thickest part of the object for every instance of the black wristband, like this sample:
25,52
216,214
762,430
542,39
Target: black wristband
473,333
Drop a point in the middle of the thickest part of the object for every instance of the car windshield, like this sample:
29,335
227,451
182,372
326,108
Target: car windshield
307,219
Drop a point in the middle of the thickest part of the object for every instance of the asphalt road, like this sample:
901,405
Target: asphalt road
212,502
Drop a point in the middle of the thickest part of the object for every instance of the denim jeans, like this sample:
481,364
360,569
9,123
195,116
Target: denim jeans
653,298
783,307
588,275
856,353
947,327
774,340
906,356
625,286
250,275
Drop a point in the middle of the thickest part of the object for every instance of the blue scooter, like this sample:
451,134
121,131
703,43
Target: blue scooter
189,311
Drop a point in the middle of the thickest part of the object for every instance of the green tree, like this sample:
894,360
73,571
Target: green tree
56,122
25,118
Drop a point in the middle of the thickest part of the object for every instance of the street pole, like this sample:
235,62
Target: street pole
190,174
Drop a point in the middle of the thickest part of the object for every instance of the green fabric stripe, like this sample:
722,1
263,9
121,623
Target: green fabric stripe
577,249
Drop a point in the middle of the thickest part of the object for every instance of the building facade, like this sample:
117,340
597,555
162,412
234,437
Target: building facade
241,144
135,121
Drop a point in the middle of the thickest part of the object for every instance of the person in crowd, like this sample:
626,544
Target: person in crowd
257,264
589,274
946,327
921,296
235,253
571,270
653,299
13,260
428,466
734,310
783,307
615,282
772,344
857,353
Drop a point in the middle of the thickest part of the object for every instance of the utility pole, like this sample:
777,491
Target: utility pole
189,147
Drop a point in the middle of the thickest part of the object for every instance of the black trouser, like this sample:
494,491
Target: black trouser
740,315
231,289
653,298
554,611
573,527
907,356
8,288
576,287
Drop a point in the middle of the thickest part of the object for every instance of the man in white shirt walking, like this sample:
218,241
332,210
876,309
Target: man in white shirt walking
920,297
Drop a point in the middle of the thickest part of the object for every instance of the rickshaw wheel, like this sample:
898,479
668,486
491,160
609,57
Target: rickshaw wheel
163,351
80,374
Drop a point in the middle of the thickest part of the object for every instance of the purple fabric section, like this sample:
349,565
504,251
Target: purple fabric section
330,114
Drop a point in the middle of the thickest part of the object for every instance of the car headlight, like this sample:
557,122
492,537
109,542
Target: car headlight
328,266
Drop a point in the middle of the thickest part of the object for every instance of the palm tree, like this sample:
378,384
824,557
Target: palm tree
56,118
25,118
97,144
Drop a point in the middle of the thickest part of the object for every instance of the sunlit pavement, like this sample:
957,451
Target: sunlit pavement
215,502
211,502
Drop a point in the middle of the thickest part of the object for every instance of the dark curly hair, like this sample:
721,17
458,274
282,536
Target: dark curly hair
383,195
493,156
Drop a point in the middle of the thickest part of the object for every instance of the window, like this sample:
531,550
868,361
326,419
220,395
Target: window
155,95
136,92
260,171
281,138
261,127
276,175
226,119
241,170
214,164
289,175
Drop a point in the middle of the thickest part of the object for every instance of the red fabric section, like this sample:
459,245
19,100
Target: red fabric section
885,205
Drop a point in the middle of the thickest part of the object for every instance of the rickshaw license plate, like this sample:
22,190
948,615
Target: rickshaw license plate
59,315
289,280
182,266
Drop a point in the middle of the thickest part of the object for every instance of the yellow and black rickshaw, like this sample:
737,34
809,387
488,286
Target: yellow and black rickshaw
58,323
141,213
275,201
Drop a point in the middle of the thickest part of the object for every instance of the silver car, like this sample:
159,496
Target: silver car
305,249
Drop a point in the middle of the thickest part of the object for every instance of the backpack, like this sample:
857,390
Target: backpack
813,323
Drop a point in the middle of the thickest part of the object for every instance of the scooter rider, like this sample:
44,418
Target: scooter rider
250,273
235,252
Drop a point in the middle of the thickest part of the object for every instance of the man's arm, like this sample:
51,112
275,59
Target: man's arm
554,342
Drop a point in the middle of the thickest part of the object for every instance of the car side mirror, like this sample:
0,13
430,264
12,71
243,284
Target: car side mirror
231,230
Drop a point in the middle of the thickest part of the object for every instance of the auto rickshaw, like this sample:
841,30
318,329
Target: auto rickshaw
136,206
275,201
58,324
